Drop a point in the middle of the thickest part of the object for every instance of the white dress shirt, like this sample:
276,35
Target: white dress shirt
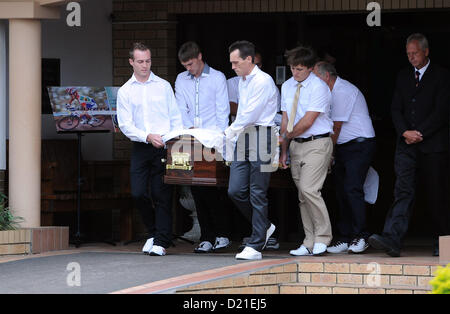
258,102
422,70
315,96
147,108
349,105
233,89
204,97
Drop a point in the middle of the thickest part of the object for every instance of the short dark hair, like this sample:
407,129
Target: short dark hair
245,48
138,46
305,56
189,50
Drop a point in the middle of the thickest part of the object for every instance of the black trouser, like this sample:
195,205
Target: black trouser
432,168
154,205
212,215
249,181
352,161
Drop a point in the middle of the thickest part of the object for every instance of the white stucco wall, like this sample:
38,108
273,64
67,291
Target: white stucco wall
3,92
86,60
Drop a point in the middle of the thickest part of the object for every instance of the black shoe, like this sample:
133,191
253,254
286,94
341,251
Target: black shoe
381,243
272,244
204,247
436,251
436,248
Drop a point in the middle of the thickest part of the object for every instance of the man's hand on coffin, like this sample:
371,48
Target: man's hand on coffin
229,134
155,140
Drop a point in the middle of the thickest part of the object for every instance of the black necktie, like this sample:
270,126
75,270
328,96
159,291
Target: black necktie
417,78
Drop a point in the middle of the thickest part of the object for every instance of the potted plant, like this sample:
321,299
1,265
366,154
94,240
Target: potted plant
7,220
17,240
12,238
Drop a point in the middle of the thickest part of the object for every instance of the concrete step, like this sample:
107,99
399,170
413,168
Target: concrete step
329,288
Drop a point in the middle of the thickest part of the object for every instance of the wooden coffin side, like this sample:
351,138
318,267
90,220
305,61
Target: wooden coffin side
208,171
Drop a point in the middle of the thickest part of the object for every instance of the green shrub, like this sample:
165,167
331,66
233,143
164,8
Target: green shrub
7,220
441,283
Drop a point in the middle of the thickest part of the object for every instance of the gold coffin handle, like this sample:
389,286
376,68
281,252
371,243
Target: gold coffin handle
180,161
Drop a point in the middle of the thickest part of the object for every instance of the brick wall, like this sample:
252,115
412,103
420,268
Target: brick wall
266,6
323,278
34,240
150,23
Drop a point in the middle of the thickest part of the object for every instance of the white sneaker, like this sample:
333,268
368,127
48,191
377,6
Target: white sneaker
358,246
319,248
204,247
269,233
148,246
338,247
221,243
249,254
301,251
157,251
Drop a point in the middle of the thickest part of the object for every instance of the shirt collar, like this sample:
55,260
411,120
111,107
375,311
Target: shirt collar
306,82
253,73
337,82
205,72
422,70
152,77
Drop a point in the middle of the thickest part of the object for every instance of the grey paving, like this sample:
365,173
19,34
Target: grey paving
105,269
100,272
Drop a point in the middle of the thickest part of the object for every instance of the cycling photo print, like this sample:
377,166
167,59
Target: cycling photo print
81,109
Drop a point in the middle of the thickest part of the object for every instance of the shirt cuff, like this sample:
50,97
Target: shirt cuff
143,137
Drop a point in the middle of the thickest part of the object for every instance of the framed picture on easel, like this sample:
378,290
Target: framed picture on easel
81,109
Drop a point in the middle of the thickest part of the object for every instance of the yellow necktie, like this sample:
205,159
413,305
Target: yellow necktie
290,125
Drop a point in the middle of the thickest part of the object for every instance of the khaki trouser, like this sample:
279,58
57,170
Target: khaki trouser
309,168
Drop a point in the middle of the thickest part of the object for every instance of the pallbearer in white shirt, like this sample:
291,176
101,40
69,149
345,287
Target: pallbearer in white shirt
253,128
147,110
306,128
354,137
201,94
233,95
233,88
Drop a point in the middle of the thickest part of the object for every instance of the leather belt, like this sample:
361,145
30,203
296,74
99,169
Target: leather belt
311,138
358,140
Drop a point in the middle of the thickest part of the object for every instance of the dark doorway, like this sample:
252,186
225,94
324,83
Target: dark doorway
369,57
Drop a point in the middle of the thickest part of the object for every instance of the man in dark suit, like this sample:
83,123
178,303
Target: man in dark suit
420,112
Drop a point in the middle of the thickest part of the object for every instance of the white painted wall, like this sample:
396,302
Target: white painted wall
86,60
3,92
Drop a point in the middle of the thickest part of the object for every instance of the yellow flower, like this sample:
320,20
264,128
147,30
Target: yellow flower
441,283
